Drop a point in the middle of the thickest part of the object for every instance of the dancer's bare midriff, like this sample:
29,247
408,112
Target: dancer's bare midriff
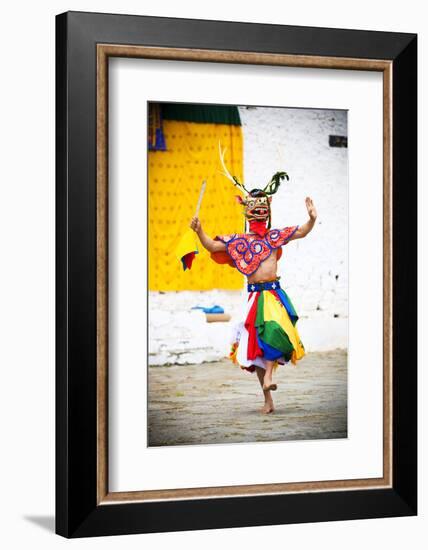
266,271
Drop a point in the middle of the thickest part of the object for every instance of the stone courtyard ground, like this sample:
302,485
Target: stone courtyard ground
219,403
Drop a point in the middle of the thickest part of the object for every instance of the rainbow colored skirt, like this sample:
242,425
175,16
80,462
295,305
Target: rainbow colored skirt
268,331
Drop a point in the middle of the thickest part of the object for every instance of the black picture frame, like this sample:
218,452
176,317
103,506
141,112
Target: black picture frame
78,514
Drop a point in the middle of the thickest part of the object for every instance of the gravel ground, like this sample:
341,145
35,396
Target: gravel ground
220,403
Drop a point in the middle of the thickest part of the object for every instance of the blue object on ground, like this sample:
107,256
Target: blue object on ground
213,309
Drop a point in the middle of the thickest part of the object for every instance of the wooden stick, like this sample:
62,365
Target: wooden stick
201,194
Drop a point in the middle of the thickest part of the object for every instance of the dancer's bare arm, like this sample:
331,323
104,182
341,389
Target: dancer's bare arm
210,244
308,226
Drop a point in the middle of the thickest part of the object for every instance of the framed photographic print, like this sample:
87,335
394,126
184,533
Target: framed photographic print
236,285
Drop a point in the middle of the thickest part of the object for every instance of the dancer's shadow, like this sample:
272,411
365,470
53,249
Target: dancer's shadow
45,522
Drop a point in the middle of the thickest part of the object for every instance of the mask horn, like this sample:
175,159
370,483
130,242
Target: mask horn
272,187
226,172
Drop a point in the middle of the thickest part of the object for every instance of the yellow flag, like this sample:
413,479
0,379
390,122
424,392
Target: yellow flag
187,248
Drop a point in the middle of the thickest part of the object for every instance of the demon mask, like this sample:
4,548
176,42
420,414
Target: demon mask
256,202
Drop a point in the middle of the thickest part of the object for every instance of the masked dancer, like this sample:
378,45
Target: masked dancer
268,334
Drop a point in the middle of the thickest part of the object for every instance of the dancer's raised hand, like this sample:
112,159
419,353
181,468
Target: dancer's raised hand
310,207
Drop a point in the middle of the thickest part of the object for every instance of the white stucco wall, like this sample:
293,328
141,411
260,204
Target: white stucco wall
314,270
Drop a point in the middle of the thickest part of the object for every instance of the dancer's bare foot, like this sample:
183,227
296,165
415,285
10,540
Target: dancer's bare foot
268,385
268,408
